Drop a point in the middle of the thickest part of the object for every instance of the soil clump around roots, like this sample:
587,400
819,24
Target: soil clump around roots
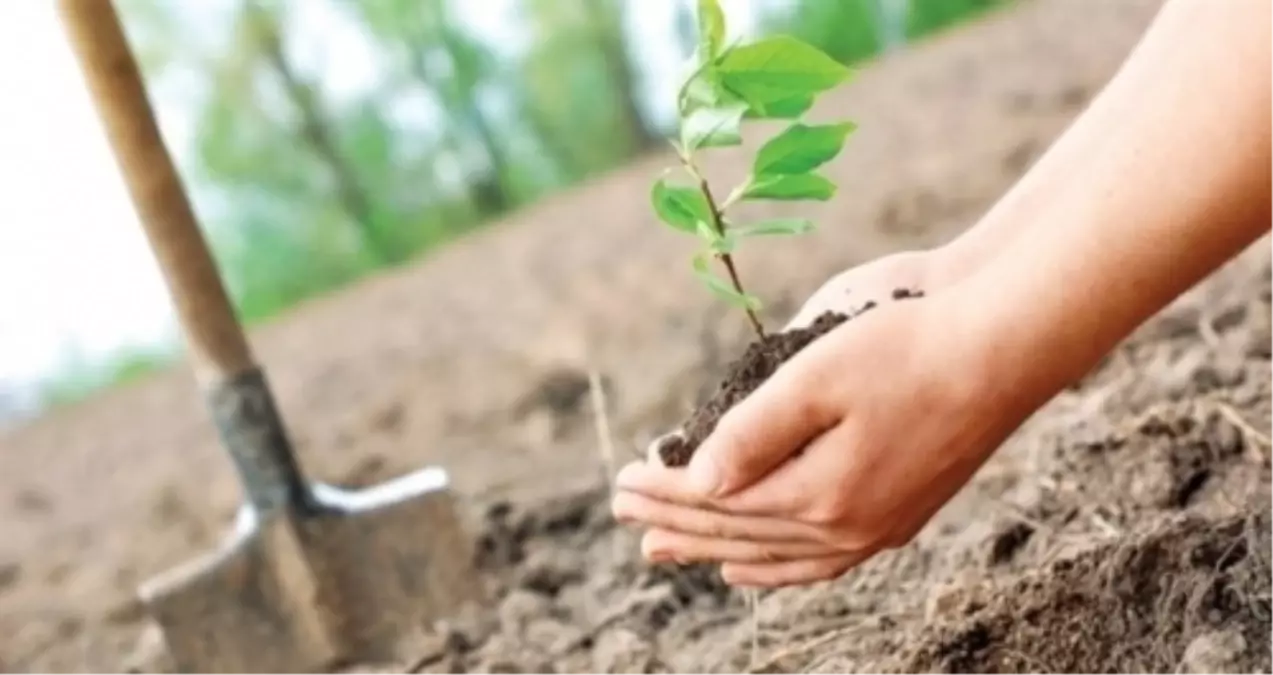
757,364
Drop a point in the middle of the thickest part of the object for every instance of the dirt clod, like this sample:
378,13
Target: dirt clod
757,364
1222,651
1127,606
743,376
1008,541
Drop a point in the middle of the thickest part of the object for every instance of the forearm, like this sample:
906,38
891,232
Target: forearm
1167,178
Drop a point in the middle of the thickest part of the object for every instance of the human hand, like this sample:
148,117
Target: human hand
863,286
850,448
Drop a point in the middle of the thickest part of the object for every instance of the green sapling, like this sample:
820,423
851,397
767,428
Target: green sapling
776,78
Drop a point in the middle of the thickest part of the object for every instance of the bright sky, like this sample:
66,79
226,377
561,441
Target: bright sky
76,277
74,269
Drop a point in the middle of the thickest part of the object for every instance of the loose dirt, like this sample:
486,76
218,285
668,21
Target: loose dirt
1124,527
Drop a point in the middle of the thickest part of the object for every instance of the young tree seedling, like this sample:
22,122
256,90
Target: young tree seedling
775,78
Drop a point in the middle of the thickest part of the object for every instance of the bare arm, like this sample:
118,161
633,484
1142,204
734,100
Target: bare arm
856,441
1164,179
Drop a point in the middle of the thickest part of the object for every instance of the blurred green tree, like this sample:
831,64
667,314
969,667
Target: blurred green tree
436,53
927,16
847,30
302,190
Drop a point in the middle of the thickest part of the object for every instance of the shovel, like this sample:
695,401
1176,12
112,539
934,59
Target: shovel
311,576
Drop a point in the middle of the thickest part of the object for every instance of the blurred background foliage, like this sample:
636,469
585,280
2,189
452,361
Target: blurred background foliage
326,139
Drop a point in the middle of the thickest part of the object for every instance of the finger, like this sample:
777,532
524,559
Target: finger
660,482
791,572
659,545
766,427
800,486
631,507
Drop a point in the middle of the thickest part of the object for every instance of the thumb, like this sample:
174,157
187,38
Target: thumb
766,428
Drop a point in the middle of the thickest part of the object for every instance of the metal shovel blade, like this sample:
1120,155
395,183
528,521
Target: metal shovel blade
361,579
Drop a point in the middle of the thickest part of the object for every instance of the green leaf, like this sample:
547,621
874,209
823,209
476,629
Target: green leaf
778,68
783,187
680,207
801,148
775,226
711,27
713,127
723,288
699,92
701,87
782,109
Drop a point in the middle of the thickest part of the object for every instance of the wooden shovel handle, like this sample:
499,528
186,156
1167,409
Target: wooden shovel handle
215,341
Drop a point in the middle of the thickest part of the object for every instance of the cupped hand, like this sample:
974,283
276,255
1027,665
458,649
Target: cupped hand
848,449
852,290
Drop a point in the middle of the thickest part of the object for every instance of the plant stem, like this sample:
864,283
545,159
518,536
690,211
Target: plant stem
718,223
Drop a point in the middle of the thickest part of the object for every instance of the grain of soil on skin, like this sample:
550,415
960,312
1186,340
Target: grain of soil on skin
439,362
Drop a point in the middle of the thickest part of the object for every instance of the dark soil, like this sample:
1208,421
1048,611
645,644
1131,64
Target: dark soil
761,360
1124,607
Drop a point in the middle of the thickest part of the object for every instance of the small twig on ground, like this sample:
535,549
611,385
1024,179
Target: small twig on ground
605,444
1207,331
1017,513
1235,418
753,599
422,662
805,647
1229,413
1257,551
1107,527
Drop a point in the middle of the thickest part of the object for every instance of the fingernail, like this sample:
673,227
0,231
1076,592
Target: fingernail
658,557
619,509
